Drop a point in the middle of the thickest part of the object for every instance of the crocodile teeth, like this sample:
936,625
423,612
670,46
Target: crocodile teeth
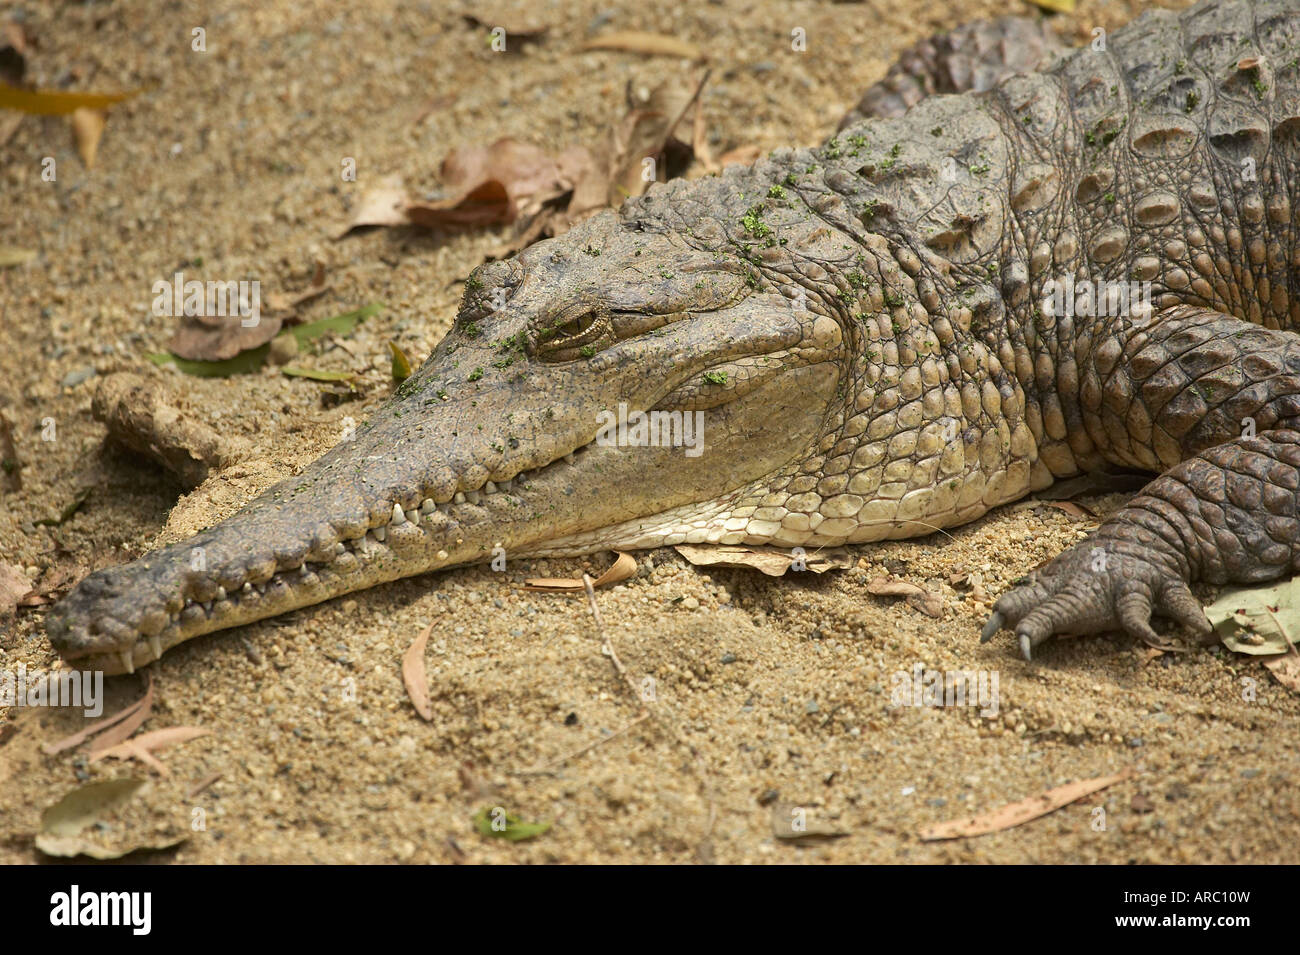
155,644
472,496
460,497
339,548
221,592
381,533
303,571
128,661
507,485
427,506
248,588
399,515
490,488
207,606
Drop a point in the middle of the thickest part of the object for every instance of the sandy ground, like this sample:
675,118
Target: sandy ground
772,695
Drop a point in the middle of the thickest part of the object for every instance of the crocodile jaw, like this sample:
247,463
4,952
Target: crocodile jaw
469,457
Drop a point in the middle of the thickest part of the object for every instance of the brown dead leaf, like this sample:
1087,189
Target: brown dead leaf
14,586
383,204
1076,511
637,41
1097,482
282,302
1285,668
87,128
500,183
514,30
216,338
791,823
647,133
143,747
772,561
143,705
1018,813
132,718
624,566
415,677
918,597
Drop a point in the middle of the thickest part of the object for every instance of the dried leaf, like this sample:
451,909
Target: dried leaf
282,302
499,183
918,597
383,204
772,561
1018,813
1261,621
790,826
82,846
317,374
143,747
199,338
1285,668
636,41
145,703
1077,511
496,822
646,133
12,255
414,676
401,365
62,824
87,128
127,722
57,102
14,586
623,567
529,33
85,804
1098,482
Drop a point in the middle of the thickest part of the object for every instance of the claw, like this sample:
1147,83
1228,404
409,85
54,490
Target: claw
1026,648
992,627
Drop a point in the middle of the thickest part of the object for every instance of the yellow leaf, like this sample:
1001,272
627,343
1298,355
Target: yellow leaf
87,127
57,102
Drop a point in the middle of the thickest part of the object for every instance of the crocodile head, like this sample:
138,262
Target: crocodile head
623,385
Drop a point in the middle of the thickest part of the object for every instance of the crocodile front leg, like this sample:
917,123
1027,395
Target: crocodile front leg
1219,400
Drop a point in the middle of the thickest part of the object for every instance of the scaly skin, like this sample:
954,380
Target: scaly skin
862,328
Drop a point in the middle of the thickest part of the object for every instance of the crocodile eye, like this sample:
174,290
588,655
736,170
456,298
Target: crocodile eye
564,339
578,326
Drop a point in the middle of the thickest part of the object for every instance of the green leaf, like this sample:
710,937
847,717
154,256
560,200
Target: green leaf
496,822
340,324
68,510
242,364
1258,620
401,366
318,374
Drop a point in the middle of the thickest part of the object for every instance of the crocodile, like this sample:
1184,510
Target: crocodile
924,318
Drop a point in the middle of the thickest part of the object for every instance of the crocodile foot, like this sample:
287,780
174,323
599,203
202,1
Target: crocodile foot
1103,583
